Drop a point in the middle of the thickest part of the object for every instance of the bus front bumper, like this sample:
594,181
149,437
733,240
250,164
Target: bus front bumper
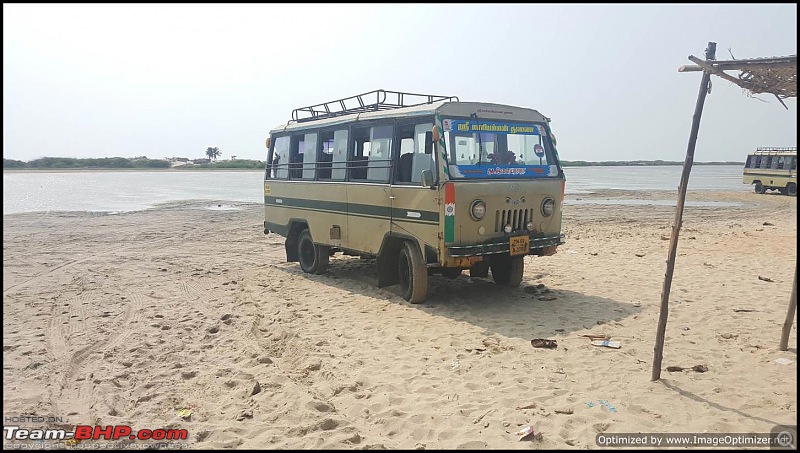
537,243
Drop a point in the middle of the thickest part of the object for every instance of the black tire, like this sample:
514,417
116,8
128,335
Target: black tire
479,270
791,189
760,187
413,273
451,272
507,270
313,258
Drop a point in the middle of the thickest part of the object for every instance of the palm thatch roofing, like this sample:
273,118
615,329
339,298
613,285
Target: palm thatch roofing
773,75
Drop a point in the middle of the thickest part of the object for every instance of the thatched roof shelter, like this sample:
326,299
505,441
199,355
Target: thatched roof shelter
776,76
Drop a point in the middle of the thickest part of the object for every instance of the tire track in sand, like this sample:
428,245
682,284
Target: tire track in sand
66,383
72,263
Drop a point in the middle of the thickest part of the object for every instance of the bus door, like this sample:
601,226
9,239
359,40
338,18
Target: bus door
368,193
415,211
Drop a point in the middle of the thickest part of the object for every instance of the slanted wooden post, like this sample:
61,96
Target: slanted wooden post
787,325
711,51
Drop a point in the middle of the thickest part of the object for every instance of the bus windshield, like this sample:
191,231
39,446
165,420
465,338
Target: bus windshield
492,149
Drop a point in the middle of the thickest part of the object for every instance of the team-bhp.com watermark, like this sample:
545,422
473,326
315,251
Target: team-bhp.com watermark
779,438
92,437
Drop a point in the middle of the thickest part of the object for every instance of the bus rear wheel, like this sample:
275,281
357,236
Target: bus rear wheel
413,273
313,258
507,270
791,189
760,187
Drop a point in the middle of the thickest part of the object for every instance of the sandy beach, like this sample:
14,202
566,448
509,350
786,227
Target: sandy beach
131,318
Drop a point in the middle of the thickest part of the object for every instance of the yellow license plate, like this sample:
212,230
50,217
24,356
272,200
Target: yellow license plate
520,245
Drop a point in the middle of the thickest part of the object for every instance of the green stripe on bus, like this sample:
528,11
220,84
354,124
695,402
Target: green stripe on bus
449,228
366,210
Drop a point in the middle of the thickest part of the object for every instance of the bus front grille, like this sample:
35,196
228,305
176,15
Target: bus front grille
517,218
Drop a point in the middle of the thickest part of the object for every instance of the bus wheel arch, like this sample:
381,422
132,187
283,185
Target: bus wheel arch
387,260
292,237
412,273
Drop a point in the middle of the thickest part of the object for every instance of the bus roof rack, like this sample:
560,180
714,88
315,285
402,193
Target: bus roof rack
775,149
372,101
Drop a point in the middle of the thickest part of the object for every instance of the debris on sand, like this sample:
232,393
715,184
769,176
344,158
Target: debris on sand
544,343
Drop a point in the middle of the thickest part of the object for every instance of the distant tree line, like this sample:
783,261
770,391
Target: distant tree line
103,162
239,163
123,162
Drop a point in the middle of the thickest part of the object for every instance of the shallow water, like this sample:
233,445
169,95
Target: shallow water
121,191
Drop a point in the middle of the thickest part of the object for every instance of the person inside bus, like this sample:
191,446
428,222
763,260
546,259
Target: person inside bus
501,157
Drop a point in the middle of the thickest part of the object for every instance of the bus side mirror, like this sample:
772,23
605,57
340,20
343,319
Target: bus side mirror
427,178
429,142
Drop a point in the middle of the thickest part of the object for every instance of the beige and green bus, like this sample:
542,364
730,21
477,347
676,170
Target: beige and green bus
772,168
424,184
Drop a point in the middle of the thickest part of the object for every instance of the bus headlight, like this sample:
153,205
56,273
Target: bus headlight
477,209
548,207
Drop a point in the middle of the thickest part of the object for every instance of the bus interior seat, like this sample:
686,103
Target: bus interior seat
404,167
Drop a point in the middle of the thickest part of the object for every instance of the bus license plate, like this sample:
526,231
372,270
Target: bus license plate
520,245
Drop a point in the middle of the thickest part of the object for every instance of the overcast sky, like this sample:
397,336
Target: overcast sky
128,80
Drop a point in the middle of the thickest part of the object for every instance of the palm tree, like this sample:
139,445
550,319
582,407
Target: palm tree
213,153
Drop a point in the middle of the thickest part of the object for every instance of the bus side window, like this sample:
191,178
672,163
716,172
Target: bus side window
421,160
326,156
380,157
794,163
779,165
406,159
339,155
296,148
748,162
280,158
309,156
412,147
357,164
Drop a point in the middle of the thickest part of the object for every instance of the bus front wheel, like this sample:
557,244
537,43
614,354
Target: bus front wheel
791,189
507,270
760,187
413,276
313,258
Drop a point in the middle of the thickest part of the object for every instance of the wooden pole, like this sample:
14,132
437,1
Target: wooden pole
711,51
787,325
